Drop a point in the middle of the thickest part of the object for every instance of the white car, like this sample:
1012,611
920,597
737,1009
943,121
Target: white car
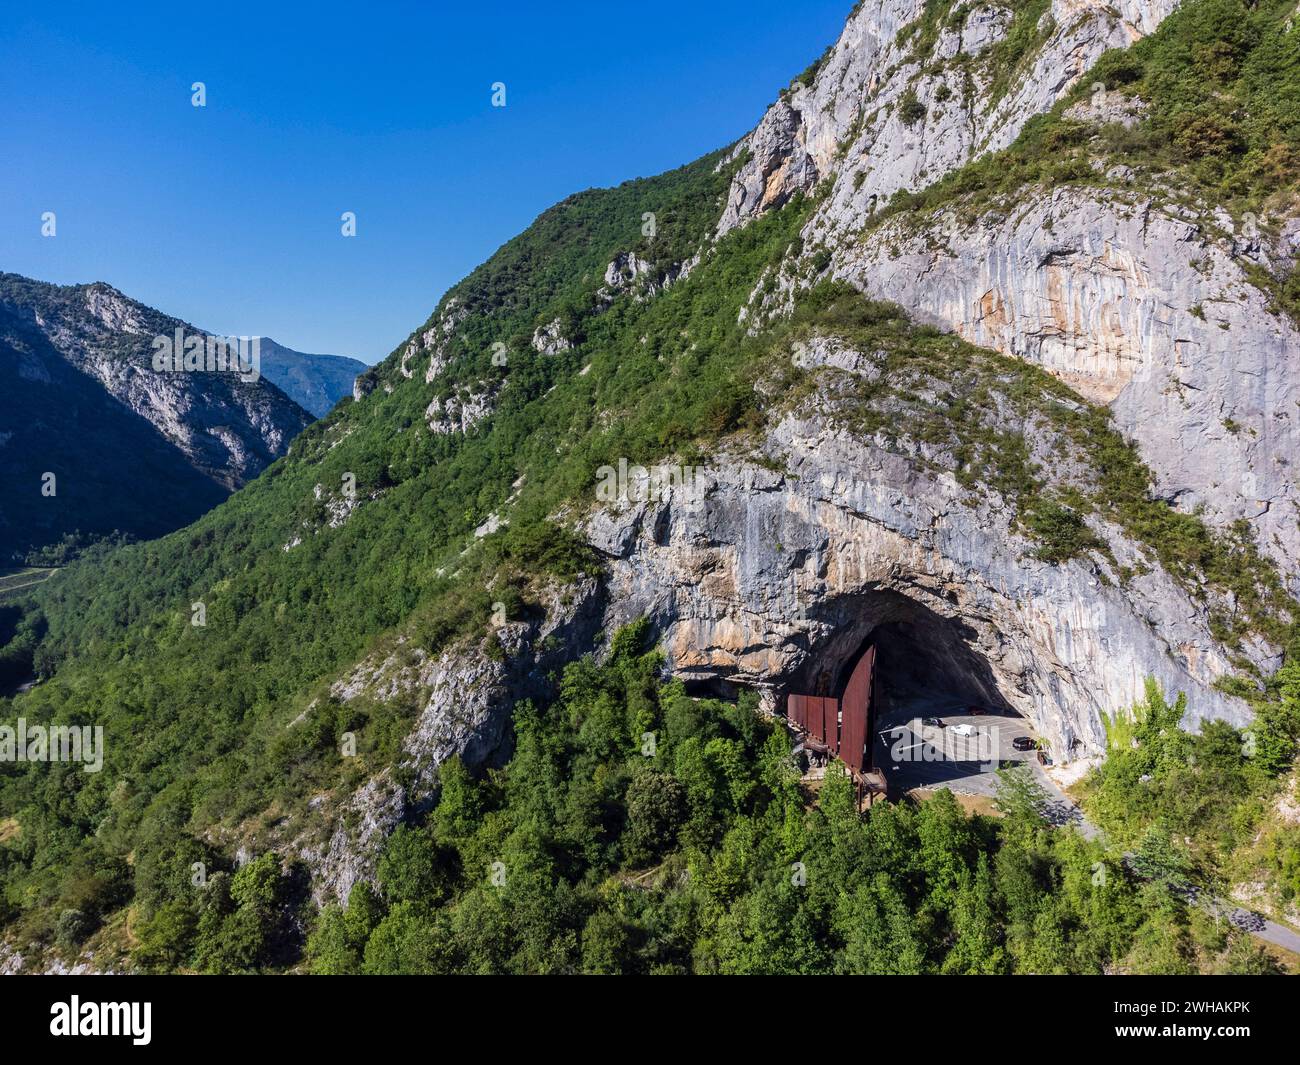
962,730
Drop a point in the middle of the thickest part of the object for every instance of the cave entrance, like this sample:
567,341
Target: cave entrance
932,715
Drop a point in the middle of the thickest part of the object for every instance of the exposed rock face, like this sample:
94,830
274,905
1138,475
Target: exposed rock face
465,699
46,962
363,385
550,339
349,855
1103,108
781,162
850,123
1135,307
625,270
629,274
984,26
459,413
436,339
774,574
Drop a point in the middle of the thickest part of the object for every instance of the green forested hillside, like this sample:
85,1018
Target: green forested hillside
203,708
595,851
614,862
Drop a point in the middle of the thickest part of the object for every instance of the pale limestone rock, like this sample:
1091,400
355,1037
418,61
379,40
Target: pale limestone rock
466,699
777,574
1135,308
550,340
459,413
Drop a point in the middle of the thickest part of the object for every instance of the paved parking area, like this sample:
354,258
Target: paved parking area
963,753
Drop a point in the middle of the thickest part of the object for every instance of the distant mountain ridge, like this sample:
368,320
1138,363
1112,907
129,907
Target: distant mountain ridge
314,382
94,440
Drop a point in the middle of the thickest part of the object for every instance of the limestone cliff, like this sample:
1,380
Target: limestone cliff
1143,303
94,440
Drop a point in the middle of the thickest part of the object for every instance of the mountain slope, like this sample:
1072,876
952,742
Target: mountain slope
314,382
428,556
1137,239
132,450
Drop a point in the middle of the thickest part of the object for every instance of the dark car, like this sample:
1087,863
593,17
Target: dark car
976,710
933,722
1024,743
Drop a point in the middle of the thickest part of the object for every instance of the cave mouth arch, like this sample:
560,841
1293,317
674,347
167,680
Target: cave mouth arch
937,718
923,656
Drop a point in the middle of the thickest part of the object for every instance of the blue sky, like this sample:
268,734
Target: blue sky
228,215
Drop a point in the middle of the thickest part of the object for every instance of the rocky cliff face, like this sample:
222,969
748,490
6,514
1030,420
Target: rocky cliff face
226,427
772,576
774,563
1139,304
131,449
1134,306
1138,307
898,103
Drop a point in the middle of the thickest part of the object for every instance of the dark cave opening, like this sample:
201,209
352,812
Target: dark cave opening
940,719
923,656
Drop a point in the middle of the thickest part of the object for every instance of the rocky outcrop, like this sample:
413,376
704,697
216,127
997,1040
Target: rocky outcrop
465,698
351,850
1136,307
364,385
459,413
780,162
773,574
549,339
629,274
883,114
625,270
436,339
46,961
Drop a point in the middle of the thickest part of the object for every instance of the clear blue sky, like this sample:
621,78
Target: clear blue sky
228,216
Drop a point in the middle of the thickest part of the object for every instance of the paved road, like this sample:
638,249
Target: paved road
1257,925
1063,810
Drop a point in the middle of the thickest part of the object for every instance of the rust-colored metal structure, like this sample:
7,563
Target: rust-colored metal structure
817,716
842,726
796,711
856,705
